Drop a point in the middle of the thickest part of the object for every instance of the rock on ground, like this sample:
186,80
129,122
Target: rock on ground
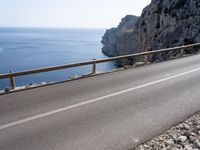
185,136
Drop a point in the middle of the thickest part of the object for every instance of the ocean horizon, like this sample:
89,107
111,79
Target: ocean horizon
25,48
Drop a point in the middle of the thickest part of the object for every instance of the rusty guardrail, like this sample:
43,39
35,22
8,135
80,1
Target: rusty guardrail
11,75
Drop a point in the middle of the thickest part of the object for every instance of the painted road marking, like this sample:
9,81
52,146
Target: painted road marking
12,124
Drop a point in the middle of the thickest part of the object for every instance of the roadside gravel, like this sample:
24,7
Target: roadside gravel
185,136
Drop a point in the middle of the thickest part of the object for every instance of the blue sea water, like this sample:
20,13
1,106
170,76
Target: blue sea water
30,48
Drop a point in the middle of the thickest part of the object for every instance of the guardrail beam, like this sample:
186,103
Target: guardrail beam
93,62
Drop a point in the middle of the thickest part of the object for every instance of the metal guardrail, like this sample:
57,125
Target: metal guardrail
11,75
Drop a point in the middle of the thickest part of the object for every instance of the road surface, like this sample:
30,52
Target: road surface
115,111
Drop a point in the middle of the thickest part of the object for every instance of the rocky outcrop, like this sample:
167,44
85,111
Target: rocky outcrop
117,40
163,24
168,23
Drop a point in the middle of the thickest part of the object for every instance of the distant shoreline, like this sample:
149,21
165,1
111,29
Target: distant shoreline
70,28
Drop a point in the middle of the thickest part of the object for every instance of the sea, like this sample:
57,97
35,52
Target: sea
30,48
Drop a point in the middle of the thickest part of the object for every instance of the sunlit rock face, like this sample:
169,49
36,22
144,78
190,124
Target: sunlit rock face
119,41
162,24
168,23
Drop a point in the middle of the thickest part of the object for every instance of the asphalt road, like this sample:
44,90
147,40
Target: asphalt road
115,111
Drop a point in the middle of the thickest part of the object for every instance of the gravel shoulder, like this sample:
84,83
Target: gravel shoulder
185,136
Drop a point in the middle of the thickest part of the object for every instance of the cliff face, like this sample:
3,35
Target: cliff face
163,24
167,23
119,41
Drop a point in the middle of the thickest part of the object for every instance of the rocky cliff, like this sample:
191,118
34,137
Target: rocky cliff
118,41
163,24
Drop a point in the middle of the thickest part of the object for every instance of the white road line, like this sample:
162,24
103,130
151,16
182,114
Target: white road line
93,100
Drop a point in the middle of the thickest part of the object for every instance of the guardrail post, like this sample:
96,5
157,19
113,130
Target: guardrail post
146,58
94,67
182,52
12,81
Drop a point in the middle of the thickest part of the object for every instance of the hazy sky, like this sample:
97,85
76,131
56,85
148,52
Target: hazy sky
67,13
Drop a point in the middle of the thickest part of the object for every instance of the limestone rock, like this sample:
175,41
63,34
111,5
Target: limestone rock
163,24
119,41
182,138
